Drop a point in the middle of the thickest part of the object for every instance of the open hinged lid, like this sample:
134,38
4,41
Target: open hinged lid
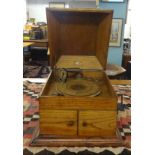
79,37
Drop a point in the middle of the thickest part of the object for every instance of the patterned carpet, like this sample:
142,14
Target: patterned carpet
31,120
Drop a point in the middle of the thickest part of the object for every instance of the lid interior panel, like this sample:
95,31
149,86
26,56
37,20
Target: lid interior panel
79,33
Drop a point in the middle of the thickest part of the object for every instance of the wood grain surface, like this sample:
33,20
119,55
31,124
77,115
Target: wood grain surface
80,103
76,61
58,122
79,32
97,123
120,82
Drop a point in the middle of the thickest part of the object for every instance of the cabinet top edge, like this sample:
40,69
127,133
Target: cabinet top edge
89,10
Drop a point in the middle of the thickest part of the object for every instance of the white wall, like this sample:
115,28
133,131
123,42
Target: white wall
127,31
24,13
36,8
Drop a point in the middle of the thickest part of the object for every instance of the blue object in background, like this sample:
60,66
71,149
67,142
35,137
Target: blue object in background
119,11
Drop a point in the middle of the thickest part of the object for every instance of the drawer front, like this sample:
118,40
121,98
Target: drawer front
58,122
97,123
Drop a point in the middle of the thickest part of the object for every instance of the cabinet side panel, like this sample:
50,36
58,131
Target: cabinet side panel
102,42
53,36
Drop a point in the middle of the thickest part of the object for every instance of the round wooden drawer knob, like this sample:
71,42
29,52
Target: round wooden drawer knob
84,124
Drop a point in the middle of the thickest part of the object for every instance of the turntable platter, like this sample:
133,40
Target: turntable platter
78,87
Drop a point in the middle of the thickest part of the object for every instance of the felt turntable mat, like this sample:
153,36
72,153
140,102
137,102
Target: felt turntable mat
31,121
78,87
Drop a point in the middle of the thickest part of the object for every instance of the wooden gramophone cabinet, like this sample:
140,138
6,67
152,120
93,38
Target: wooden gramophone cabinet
78,38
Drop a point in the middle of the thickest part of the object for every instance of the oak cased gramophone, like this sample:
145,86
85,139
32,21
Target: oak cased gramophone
78,106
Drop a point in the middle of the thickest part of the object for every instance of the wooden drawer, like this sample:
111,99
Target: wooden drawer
58,122
97,123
